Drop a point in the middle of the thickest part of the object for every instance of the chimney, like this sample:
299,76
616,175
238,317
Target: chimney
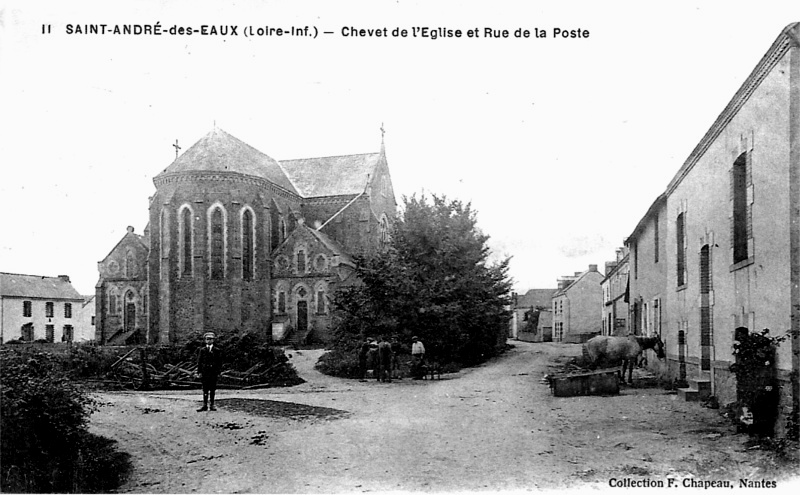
65,278
130,229
592,268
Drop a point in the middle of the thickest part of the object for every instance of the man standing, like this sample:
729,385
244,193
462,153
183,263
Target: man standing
209,363
417,357
362,358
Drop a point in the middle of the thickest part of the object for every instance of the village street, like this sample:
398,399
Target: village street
496,427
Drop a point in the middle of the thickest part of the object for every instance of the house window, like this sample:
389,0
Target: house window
655,239
247,245
301,261
50,333
27,309
68,335
681,249
187,261
48,310
67,310
26,333
741,209
635,260
217,245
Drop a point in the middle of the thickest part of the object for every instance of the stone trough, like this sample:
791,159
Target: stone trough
598,382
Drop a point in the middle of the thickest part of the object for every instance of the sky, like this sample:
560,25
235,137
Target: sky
560,144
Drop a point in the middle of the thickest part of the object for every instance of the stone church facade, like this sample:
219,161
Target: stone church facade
239,242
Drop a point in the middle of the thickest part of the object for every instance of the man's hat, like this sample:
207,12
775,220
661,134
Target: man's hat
415,338
209,334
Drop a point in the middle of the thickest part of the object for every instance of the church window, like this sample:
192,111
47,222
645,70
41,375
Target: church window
217,241
27,309
321,302
48,310
186,235
741,209
248,242
302,292
301,261
67,310
281,302
281,231
681,249
130,265
384,232
319,263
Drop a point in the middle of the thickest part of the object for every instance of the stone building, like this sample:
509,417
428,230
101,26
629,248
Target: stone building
727,234
34,307
239,242
615,295
576,307
524,306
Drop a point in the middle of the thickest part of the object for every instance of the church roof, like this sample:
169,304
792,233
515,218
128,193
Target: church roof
218,151
332,175
333,246
36,286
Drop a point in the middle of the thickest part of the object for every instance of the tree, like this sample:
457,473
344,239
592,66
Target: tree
434,281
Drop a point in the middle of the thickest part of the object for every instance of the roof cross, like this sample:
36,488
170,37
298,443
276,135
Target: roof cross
177,148
383,131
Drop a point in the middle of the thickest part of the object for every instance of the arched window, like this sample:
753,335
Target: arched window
216,241
186,233
130,265
383,232
248,245
164,231
281,231
301,261
322,299
112,301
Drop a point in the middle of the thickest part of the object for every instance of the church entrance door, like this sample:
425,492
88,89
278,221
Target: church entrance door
302,317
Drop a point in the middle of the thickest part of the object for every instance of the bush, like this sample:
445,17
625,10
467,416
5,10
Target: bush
340,363
45,445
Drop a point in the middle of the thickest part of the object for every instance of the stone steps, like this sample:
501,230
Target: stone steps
699,389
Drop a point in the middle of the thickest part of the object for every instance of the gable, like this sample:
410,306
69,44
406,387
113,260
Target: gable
128,259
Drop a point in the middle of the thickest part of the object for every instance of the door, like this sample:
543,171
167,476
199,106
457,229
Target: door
302,317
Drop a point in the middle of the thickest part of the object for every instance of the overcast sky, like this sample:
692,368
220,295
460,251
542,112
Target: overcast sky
560,144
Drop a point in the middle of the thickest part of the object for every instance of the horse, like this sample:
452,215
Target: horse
384,361
612,351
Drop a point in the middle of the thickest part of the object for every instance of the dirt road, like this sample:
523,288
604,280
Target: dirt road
496,427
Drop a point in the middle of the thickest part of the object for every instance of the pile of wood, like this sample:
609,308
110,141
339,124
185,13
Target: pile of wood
132,371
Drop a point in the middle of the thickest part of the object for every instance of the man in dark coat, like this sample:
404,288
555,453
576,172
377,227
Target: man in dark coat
209,363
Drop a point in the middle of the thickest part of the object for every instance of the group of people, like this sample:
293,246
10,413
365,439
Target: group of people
383,358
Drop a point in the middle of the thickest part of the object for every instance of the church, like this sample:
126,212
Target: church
240,242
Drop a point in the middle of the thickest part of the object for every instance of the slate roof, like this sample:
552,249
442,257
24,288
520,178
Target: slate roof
218,151
334,246
536,297
332,175
36,286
